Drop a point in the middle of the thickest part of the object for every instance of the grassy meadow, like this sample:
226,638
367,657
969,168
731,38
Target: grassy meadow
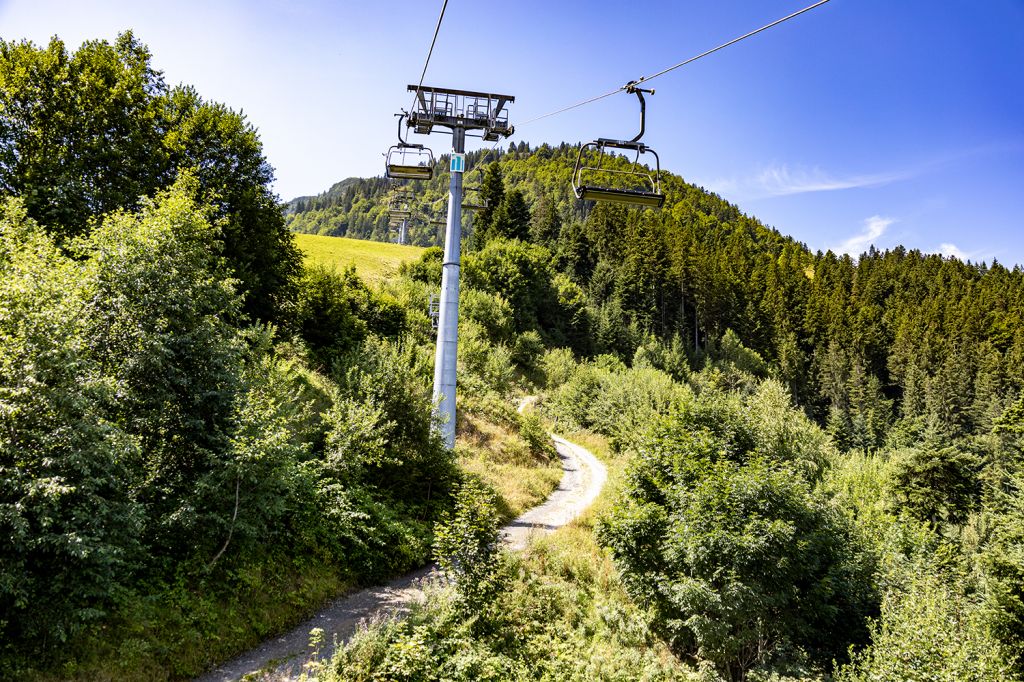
374,261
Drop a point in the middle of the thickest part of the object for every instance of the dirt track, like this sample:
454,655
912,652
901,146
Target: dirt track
282,657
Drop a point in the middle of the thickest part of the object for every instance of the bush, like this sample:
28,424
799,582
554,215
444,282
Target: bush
718,530
491,311
609,398
558,366
427,269
162,322
526,350
532,430
389,378
68,528
483,361
928,630
334,311
466,546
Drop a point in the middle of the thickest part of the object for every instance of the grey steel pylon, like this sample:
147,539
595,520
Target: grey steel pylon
459,111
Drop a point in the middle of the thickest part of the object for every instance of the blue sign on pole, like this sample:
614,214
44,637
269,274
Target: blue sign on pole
458,164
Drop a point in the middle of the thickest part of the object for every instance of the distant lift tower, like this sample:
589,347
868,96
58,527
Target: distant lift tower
459,111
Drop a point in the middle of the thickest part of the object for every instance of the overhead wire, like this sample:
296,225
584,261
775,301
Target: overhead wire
644,79
430,52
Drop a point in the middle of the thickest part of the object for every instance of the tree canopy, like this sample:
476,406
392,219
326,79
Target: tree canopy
88,132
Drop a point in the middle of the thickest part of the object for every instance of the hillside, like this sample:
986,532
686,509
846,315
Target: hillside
860,343
373,261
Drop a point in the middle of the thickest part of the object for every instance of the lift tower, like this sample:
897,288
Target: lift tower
459,111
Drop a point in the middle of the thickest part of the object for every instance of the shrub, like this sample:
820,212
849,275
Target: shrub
558,366
532,430
389,378
162,322
928,630
718,530
466,545
491,311
427,269
68,528
325,314
489,363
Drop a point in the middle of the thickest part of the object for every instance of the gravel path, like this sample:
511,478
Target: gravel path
281,658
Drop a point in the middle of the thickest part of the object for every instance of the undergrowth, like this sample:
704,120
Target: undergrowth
561,615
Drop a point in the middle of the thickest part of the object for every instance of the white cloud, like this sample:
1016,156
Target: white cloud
952,250
874,227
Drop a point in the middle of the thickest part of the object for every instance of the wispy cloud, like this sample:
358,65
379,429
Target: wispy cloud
874,227
781,180
777,181
953,250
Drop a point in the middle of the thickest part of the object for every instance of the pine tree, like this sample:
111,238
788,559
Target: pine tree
492,191
512,219
545,224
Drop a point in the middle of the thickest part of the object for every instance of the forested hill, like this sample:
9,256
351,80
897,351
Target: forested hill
900,338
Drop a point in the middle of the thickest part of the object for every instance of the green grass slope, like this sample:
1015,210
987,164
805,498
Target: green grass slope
373,261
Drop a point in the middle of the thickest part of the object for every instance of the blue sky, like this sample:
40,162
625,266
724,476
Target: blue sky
863,121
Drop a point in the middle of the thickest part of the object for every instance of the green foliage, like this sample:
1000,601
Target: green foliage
227,157
928,630
719,531
512,218
563,616
390,378
1003,561
68,526
558,366
610,399
486,368
491,311
148,438
71,120
935,485
545,223
91,132
492,193
466,546
730,350
517,271
163,329
325,313
427,269
532,430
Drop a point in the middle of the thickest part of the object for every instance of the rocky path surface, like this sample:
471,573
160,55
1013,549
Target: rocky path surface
283,657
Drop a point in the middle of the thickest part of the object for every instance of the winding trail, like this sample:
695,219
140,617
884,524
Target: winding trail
283,657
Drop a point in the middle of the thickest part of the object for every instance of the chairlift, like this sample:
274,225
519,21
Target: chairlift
645,189
407,161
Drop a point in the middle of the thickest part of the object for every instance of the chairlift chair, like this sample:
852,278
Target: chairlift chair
646,189
407,161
